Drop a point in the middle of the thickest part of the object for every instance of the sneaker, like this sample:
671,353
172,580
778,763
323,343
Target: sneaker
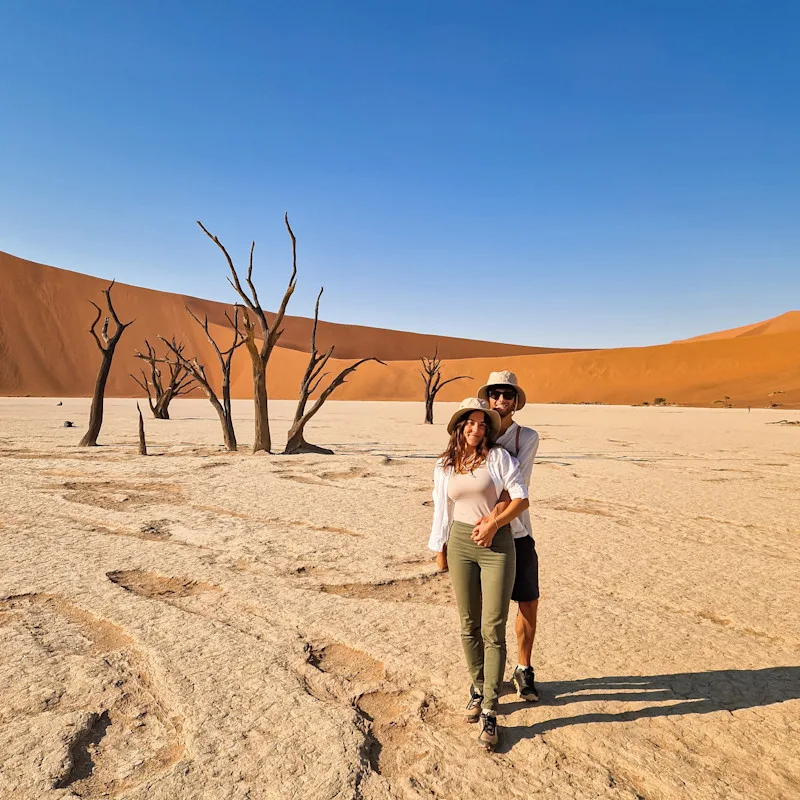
523,680
489,736
473,710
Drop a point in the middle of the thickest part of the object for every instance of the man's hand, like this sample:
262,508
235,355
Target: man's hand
441,560
483,533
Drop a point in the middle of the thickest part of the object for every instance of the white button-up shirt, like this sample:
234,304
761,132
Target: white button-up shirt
504,471
524,450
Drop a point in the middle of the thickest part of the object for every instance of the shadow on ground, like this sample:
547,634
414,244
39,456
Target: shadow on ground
676,695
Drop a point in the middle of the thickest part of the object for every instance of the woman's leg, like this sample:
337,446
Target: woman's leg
498,565
462,561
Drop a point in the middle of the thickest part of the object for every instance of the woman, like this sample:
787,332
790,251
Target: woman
468,480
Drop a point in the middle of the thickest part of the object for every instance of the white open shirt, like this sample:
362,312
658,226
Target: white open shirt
524,450
504,471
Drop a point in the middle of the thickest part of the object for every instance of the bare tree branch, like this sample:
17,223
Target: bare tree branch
159,394
95,321
269,333
459,378
311,381
198,372
432,378
235,282
145,385
276,331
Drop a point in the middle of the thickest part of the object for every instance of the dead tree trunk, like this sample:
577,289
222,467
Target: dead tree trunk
296,443
268,334
432,377
159,395
142,442
198,372
107,344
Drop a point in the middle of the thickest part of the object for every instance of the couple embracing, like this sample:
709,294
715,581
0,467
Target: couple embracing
482,534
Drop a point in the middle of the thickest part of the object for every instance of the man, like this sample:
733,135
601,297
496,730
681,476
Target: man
506,396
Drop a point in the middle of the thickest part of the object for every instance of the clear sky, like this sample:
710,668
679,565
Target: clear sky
569,174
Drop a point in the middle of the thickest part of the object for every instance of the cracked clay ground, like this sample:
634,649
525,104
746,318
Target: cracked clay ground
200,624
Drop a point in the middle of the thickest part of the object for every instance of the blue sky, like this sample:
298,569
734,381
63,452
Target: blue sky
562,173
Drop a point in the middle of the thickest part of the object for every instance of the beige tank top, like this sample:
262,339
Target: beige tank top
473,494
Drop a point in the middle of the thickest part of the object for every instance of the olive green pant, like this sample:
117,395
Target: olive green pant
483,578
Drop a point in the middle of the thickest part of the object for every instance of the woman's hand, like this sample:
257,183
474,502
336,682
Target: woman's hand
502,505
441,560
484,532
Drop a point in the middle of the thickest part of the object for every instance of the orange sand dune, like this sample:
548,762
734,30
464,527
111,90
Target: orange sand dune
747,370
784,323
46,350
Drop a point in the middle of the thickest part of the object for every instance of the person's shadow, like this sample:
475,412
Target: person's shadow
695,693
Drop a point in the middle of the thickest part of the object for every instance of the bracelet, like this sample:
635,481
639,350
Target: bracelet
496,525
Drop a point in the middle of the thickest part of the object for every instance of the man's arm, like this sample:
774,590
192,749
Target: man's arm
526,456
484,532
502,505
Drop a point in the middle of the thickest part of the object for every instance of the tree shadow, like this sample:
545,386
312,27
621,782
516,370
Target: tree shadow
687,693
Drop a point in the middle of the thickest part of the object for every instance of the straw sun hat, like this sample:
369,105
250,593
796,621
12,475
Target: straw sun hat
504,378
475,404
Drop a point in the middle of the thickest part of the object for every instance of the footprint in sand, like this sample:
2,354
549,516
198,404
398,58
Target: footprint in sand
351,474
118,495
594,512
389,717
432,589
390,733
347,663
328,478
148,584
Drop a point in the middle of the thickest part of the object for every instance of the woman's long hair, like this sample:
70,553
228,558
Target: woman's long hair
455,453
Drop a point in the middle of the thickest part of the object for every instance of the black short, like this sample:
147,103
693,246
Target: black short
526,582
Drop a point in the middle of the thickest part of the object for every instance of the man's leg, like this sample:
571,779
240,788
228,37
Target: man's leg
525,626
526,594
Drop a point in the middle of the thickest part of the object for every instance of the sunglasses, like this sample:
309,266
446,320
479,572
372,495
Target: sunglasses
506,394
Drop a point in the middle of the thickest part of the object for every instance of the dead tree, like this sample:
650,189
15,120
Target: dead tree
142,442
161,392
198,372
107,344
255,320
431,374
311,380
